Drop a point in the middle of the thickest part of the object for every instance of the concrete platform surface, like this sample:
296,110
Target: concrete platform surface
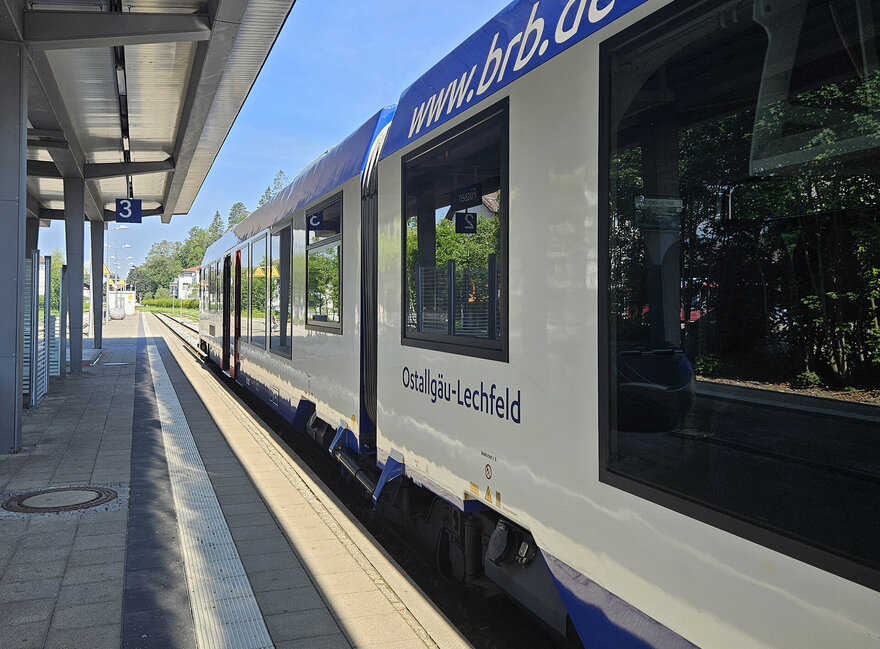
217,535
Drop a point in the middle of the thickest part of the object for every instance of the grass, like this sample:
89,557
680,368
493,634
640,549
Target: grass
191,314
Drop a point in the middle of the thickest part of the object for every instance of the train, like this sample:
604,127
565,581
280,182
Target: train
476,302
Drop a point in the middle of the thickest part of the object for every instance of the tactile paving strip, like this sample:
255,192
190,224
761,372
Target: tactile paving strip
225,612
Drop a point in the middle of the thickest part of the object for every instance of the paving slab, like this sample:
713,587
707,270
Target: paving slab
121,577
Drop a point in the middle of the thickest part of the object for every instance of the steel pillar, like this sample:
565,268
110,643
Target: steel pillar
32,236
74,228
97,283
13,218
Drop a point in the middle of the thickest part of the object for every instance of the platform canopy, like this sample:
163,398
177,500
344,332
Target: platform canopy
133,97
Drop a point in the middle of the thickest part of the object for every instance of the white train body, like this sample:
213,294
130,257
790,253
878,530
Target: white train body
516,426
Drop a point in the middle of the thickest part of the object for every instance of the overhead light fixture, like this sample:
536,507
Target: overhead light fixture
126,145
120,80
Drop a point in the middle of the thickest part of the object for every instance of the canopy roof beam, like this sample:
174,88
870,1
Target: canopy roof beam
65,30
46,112
96,171
210,61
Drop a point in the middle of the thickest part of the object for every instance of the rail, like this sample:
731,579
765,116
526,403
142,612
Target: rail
187,333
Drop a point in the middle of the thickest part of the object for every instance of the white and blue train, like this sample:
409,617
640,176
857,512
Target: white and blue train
539,307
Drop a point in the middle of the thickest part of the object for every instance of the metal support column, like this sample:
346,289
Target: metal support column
74,228
32,236
13,217
97,283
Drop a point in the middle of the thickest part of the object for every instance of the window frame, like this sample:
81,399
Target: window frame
764,535
264,237
277,230
461,345
327,242
245,281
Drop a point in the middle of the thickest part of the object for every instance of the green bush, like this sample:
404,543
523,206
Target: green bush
170,303
806,380
707,364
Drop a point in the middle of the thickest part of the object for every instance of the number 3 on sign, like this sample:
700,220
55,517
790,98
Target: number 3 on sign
128,210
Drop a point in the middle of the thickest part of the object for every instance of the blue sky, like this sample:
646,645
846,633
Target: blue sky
333,66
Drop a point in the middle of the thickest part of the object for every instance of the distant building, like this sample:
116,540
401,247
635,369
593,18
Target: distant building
187,285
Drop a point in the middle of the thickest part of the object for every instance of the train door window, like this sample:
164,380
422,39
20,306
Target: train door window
324,267
212,288
203,286
739,276
245,294
279,293
259,268
455,240
218,286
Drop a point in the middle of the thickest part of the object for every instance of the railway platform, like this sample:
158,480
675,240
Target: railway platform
150,508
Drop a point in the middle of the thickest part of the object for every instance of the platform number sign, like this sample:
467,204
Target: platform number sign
316,221
465,223
128,210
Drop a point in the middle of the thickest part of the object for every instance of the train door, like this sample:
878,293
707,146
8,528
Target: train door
236,317
227,337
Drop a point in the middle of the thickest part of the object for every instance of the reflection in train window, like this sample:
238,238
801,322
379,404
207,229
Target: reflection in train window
259,268
245,294
323,267
454,229
743,260
279,294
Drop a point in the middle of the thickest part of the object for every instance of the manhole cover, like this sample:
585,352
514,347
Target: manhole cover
60,499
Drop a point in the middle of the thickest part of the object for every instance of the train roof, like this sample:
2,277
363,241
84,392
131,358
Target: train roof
334,167
518,39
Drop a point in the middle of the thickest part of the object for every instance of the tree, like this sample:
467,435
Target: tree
237,213
278,183
266,197
161,292
160,267
55,287
216,229
194,246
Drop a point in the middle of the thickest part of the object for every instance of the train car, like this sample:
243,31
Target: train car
516,357
545,193
281,299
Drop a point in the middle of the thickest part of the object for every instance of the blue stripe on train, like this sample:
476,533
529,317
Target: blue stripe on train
603,620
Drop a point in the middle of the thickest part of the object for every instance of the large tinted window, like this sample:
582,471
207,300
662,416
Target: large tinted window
245,293
454,233
323,267
279,295
259,268
743,250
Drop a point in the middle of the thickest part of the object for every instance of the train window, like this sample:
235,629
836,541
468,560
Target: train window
258,292
245,294
741,341
212,288
218,283
279,294
324,267
455,233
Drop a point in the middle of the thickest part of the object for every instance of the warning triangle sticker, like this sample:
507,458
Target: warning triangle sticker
488,495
